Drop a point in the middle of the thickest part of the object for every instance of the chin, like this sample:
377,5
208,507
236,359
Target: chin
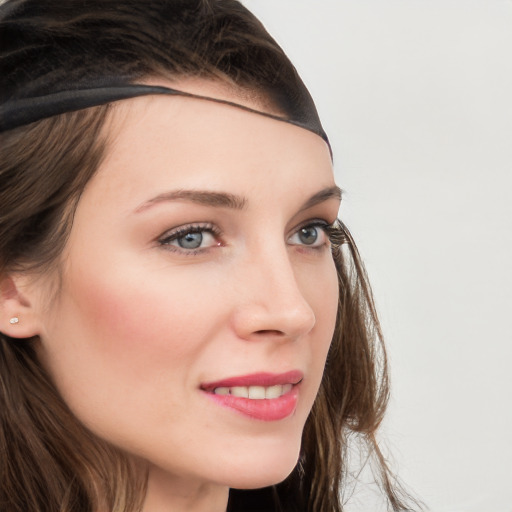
266,479
264,470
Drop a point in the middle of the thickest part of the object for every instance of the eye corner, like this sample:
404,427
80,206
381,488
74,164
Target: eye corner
336,233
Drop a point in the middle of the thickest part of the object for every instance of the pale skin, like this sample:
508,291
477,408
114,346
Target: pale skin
139,322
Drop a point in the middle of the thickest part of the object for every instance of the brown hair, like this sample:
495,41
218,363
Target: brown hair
48,460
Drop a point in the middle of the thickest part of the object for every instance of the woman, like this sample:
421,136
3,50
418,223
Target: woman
178,316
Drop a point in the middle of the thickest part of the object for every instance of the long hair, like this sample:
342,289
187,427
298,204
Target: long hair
48,460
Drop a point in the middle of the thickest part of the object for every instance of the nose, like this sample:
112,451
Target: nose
270,302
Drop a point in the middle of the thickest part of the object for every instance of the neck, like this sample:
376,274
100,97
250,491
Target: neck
166,493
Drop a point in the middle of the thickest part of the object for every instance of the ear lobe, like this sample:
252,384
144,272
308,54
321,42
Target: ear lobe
18,318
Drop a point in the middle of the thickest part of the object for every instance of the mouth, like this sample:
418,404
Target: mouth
255,392
260,396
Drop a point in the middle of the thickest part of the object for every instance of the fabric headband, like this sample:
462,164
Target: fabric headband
20,112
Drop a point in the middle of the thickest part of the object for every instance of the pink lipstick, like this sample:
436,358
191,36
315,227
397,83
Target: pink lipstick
262,396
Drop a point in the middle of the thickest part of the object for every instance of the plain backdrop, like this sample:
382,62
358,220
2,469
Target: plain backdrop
416,97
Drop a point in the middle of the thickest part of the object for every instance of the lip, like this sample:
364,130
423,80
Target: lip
256,379
267,409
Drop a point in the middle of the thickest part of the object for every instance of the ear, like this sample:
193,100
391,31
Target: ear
18,317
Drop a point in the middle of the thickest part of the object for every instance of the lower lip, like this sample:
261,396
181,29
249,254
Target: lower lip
268,409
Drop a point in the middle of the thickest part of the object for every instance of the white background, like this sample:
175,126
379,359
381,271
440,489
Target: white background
416,97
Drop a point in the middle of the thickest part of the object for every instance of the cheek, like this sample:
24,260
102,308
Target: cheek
121,339
322,292
141,312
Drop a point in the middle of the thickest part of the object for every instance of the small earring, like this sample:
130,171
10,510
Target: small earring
14,320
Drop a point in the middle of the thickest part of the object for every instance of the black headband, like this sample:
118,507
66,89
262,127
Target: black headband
20,112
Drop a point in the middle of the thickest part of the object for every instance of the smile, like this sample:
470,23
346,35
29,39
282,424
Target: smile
263,396
255,392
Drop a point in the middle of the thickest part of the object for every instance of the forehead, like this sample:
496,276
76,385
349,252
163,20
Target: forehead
158,141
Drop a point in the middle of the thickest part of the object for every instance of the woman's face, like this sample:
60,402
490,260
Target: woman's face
198,269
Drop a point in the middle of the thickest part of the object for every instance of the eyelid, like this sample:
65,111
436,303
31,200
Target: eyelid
322,224
333,230
173,234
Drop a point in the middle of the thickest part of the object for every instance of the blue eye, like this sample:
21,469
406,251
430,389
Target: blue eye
312,235
191,238
308,235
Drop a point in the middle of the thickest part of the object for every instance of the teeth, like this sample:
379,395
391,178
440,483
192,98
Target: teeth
255,392
287,388
240,391
274,391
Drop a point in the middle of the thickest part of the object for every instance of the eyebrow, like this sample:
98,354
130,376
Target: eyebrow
323,195
205,197
231,201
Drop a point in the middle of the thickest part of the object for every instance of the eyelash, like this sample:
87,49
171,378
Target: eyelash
182,231
333,232
336,234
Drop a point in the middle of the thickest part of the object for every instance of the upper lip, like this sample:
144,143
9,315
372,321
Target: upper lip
264,379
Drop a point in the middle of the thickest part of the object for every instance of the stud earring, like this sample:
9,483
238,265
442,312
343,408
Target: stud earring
14,320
